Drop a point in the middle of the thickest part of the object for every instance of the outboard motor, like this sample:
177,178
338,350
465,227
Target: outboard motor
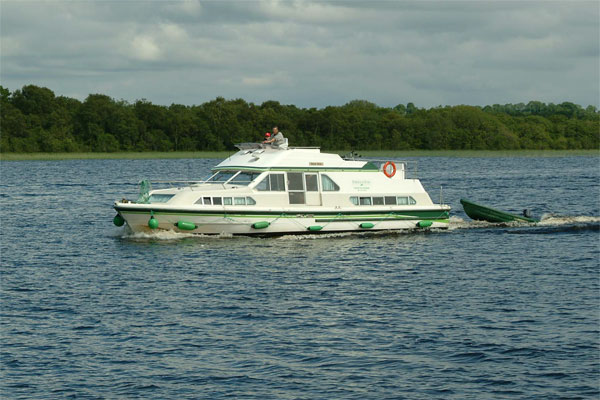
526,213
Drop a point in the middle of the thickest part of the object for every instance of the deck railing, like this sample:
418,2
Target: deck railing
193,185
409,169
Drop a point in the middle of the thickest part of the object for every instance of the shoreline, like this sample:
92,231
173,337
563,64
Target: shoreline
364,153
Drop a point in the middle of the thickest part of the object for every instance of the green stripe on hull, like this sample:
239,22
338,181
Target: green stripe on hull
404,218
320,216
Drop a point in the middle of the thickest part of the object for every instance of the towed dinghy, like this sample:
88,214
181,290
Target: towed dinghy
482,213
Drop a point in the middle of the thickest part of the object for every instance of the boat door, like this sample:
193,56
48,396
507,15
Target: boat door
303,188
313,196
295,185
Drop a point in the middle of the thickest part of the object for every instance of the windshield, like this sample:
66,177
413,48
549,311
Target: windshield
222,176
244,178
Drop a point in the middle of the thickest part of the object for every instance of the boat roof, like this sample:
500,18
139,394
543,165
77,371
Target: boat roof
262,158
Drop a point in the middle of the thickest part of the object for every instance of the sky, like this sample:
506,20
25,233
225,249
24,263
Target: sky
306,53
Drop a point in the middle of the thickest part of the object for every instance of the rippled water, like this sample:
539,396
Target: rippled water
479,311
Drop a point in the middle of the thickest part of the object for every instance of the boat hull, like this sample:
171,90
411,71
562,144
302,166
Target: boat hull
483,213
278,223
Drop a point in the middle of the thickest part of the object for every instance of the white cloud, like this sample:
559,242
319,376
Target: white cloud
144,48
257,81
307,12
173,32
278,78
191,7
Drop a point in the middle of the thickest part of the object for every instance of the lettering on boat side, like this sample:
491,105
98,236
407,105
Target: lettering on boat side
361,185
315,164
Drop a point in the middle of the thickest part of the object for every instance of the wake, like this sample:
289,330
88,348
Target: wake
167,235
549,223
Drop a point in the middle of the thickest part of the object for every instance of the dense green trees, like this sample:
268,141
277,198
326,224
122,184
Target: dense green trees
34,119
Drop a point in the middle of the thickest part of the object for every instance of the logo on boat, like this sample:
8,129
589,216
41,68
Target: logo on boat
315,164
362,185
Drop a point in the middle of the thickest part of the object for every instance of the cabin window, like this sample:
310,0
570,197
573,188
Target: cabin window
272,182
312,184
377,201
160,198
406,200
365,201
263,185
207,201
239,201
295,181
277,182
244,178
227,201
328,184
382,200
250,201
217,201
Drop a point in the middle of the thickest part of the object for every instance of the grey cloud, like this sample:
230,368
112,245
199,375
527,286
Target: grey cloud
309,53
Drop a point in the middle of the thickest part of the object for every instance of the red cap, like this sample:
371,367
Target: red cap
267,134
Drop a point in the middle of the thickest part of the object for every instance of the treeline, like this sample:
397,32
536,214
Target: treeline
34,119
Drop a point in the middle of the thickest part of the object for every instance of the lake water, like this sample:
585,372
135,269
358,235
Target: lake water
478,311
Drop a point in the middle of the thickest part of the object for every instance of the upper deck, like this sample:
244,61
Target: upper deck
258,157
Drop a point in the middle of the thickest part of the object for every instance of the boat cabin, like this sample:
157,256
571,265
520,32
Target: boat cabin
262,176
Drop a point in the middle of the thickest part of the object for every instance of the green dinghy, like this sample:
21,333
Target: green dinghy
482,213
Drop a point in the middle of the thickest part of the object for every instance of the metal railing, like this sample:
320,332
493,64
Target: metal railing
410,168
168,184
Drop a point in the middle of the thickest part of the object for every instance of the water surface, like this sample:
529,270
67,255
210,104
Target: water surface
479,311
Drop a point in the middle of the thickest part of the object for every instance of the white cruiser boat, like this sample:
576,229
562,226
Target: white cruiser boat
262,190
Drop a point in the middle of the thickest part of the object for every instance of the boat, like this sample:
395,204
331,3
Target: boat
266,190
483,213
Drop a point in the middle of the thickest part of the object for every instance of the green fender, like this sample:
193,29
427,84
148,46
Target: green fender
261,225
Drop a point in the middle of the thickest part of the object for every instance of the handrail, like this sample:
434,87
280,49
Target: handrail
193,184
171,182
258,146
174,183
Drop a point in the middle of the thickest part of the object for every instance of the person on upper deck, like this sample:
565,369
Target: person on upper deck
276,139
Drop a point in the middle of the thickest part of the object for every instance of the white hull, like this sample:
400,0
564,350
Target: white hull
215,225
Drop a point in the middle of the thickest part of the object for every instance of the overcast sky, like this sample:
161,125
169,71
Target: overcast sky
307,53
